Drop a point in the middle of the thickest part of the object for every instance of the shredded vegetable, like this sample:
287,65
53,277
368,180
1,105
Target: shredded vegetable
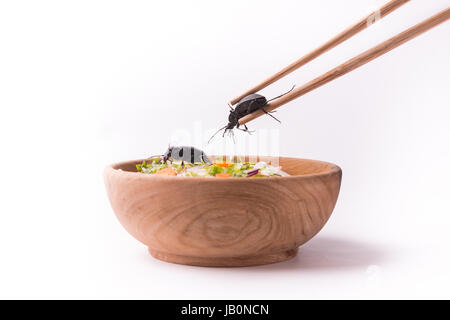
218,169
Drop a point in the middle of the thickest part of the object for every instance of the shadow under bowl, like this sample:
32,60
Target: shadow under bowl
224,222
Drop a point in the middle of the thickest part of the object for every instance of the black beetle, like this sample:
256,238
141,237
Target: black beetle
245,106
186,154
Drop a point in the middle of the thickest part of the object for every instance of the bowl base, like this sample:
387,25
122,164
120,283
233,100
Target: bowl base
224,261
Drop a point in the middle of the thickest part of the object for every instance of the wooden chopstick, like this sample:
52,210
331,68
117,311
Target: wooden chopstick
341,37
354,63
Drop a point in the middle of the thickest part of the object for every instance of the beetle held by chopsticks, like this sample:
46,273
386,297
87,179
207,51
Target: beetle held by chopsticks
251,105
245,106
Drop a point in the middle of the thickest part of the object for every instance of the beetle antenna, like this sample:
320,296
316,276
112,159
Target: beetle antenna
282,94
158,155
216,133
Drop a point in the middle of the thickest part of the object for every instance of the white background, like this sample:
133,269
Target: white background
87,83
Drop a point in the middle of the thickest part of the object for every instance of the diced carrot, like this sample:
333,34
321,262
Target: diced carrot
222,175
167,172
222,164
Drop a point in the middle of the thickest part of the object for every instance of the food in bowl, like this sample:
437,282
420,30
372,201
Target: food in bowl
217,169
188,161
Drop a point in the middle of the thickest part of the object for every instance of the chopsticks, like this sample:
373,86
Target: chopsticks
351,64
341,37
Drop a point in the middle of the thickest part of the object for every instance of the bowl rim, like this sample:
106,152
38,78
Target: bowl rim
333,169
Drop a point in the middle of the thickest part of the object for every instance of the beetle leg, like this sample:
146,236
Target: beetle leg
206,159
268,113
245,130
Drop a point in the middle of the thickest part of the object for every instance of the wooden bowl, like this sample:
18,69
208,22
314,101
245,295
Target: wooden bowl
224,222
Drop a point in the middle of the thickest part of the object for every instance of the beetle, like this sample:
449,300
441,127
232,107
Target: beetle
186,154
245,106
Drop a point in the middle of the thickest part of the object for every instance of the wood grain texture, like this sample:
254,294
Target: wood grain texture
338,39
353,63
224,222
